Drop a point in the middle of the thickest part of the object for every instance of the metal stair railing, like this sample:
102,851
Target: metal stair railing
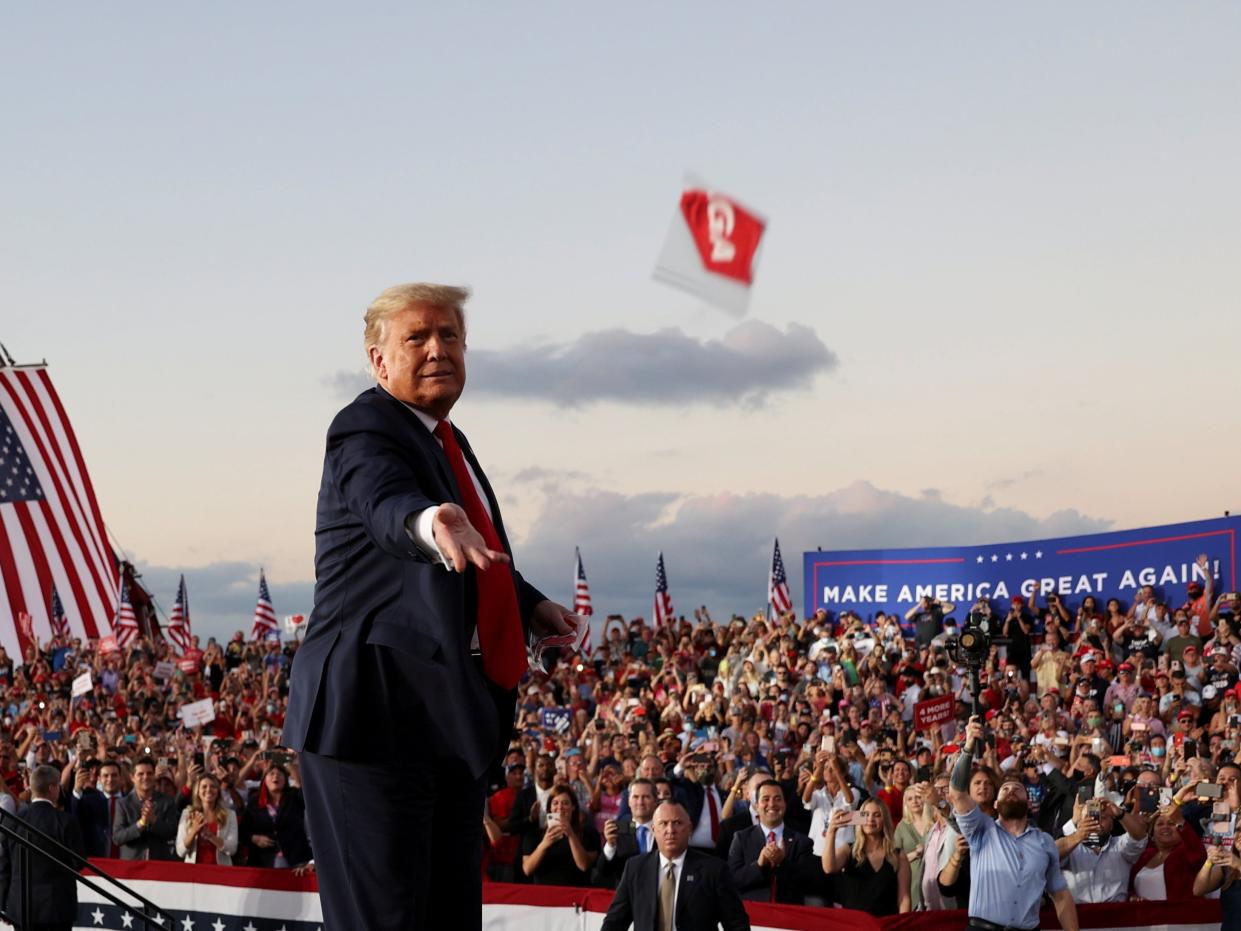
27,841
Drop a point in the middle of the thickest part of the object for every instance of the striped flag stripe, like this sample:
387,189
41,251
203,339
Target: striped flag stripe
93,593
11,587
65,580
79,499
35,574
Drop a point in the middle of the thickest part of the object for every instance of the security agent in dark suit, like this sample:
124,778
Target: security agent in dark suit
628,836
404,689
146,821
675,886
770,862
90,807
54,894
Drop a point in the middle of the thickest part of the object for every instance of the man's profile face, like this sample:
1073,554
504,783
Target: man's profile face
421,358
642,801
672,829
771,806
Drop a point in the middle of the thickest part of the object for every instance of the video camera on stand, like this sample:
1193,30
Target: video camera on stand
972,648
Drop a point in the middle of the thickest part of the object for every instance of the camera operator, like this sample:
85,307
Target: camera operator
1017,630
1011,862
927,617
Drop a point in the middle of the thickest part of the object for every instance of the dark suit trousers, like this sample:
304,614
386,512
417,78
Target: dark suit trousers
398,846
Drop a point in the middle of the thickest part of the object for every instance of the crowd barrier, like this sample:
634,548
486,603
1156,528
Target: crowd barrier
223,898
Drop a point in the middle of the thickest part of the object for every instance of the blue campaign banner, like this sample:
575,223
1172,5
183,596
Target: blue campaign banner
1106,565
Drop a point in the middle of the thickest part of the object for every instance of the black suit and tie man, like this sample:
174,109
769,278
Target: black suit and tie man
53,892
403,691
770,862
675,887
629,836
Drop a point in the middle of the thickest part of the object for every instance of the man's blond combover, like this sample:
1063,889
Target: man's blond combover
396,298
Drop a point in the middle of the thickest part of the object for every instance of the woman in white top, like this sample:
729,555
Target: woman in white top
208,830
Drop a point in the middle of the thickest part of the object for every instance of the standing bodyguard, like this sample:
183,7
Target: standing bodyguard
54,893
404,689
675,887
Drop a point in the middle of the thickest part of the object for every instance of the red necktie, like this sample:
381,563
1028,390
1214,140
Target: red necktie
499,619
113,850
771,839
715,816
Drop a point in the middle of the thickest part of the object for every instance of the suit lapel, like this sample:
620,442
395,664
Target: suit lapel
649,903
417,431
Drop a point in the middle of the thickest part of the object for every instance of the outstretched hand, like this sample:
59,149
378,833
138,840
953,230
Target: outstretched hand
460,543
550,619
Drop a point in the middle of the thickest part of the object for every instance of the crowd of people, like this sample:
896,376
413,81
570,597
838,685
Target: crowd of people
141,782
1108,729
790,744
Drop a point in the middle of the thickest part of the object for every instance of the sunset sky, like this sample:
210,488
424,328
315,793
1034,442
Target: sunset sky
997,300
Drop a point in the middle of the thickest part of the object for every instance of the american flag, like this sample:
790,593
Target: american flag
126,621
179,620
264,614
581,599
51,531
60,623
663,601
778,584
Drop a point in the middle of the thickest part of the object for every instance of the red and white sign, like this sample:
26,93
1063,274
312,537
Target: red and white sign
933,711
712,247
108,644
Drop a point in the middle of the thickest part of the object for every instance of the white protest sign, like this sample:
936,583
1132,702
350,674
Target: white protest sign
82,684
198,713
164,670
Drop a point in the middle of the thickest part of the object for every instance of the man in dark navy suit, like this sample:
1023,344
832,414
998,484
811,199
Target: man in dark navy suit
675,886
54,893
771,862
404,689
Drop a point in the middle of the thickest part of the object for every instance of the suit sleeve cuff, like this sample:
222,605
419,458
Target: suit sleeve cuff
420,527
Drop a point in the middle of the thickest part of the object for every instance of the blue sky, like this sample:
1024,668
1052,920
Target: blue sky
1011,230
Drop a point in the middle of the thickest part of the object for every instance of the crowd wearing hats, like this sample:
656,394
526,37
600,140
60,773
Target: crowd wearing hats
1131,704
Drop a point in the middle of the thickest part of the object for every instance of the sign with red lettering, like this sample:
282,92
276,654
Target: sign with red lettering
933,711
108,644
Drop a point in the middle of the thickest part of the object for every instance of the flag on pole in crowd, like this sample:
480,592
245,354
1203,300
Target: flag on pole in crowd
51,530
60,623
778,584
264,614
179,621
581,599
712,247
663,601
126,621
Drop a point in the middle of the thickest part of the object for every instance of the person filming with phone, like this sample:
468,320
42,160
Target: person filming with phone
1012,862
1096,863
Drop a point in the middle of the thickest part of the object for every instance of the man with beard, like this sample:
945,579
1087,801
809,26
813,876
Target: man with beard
1011,861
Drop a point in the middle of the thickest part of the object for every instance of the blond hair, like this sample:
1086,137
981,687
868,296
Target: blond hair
859,837
397,298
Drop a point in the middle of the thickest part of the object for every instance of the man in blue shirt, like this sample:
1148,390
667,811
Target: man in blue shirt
1011,861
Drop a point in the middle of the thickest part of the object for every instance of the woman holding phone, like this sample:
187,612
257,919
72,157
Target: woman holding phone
563,854
872,876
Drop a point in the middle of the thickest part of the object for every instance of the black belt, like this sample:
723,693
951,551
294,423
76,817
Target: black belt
973,922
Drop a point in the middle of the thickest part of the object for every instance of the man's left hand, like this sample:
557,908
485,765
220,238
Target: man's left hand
550,618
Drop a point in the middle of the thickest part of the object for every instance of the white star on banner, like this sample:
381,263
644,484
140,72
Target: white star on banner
97,916
127,920
187,923
980,559
250,927
1038,554
218,925
1024,555
1008,557
995,558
